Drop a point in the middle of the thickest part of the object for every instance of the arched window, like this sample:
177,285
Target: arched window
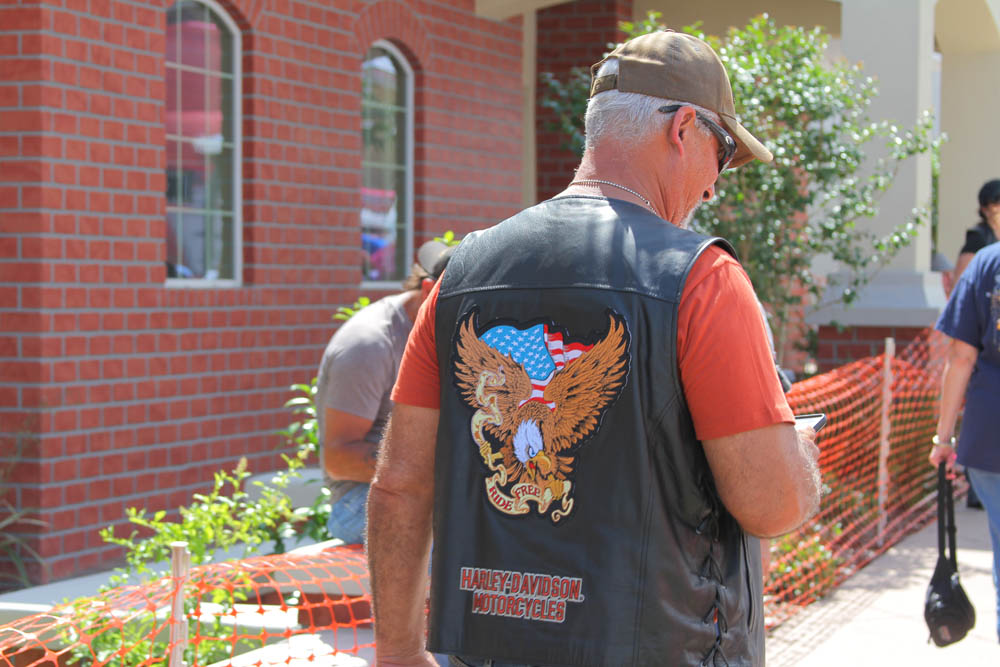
203,145
386,164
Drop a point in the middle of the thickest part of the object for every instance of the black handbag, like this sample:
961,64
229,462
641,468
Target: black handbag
947,609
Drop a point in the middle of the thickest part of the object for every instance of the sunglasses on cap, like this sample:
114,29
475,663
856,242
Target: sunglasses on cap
727,145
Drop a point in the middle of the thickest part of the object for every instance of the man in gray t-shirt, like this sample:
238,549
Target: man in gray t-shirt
355,379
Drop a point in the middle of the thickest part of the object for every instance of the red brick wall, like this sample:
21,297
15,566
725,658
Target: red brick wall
837,348
574,34
129,393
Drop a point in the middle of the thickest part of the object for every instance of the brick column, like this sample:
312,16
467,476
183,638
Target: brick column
29,202
574,34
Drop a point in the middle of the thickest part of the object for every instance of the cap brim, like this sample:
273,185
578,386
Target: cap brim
747,145
429,254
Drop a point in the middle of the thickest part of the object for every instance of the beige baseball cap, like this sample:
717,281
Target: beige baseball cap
677,66
433,257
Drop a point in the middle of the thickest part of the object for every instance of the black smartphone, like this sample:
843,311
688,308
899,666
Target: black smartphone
816,420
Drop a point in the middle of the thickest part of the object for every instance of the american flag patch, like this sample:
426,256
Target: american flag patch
541,352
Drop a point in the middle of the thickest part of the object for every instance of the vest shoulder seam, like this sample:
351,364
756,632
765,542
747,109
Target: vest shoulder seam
599,286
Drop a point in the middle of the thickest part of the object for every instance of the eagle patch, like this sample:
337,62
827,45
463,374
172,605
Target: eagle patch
538,395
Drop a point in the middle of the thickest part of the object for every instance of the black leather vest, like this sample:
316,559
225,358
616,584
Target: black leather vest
576,520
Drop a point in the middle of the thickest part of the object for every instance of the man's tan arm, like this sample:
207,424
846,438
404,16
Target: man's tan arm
768,478
961,362
346,454
400,505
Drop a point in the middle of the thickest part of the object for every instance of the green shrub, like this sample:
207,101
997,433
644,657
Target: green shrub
14,548
803,566
225,518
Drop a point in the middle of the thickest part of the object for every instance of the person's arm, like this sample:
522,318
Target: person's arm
400,505
347,456
765,472
768,478
957,371
947,282
400,502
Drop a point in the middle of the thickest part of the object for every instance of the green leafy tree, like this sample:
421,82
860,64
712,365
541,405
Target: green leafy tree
832,163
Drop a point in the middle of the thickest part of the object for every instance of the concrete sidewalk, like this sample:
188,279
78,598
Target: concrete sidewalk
877,616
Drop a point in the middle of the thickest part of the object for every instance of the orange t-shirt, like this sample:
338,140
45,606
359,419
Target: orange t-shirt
724,356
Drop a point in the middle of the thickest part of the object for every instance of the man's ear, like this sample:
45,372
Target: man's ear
680,124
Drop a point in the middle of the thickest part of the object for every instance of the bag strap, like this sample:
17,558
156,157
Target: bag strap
946,517
941,514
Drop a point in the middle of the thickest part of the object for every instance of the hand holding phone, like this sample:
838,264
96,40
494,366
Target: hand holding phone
816,421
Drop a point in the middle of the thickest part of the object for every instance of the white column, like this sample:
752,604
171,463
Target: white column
894,39
970,98
968,34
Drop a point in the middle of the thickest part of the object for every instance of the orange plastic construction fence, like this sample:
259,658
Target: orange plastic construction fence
878,483
257,611
296,607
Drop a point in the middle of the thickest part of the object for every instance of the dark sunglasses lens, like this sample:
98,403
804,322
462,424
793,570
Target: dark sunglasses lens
727,145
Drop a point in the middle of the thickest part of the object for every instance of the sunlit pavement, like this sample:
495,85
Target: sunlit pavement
877,616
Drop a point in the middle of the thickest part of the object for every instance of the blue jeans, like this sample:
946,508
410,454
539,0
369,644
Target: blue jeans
987,486
347,516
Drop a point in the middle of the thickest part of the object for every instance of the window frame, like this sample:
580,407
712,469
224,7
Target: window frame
237,178
408,166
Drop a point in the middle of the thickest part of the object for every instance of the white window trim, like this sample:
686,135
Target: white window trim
237,111
408,165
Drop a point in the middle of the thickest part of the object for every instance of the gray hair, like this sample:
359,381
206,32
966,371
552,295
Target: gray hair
624,118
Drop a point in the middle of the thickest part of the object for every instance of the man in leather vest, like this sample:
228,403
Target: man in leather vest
588,409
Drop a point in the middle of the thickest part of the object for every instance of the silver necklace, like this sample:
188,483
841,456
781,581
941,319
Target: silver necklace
648,203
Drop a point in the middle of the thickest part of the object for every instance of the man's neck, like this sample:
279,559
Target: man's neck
637,173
